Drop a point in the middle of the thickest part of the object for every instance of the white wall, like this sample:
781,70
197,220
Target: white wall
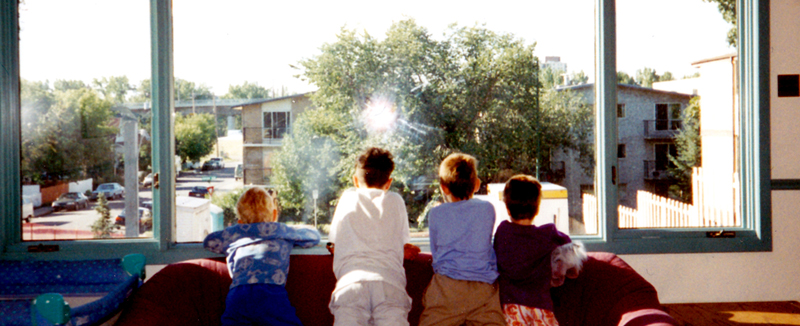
770,276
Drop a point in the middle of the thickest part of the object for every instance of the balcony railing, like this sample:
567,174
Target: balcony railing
661,129
653,171
254,135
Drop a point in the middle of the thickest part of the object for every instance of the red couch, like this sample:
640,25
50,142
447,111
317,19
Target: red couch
608,292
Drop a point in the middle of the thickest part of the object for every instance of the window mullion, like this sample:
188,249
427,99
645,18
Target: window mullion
606,118
163,150
10,188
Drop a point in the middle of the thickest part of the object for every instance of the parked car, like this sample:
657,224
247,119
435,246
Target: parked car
71,201
146,203
219,160
199,192
27,210
238,173
111,190
145,219
148,180
213,164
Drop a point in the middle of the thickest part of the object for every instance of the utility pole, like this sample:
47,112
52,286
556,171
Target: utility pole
216,130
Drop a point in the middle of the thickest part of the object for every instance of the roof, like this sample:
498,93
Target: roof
717,58
631,87
218,102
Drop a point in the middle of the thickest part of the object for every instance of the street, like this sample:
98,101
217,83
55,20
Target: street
72,225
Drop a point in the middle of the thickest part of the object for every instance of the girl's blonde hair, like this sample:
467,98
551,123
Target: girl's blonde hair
254,206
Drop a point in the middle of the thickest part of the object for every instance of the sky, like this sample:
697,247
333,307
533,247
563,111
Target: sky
223,43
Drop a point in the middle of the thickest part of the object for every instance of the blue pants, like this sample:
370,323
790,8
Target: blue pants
259,304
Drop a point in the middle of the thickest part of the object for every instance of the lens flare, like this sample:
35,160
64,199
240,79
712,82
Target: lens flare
380,115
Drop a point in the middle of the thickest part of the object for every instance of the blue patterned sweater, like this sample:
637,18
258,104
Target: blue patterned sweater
258,253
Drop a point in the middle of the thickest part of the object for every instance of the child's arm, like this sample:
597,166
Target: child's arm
220,241
304,237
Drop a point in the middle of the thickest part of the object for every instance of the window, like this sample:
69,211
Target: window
621,151
620,110
276,125
601,230
668,116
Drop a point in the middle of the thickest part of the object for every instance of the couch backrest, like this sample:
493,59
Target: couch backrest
193,293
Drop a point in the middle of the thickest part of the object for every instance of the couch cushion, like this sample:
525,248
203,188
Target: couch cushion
606,290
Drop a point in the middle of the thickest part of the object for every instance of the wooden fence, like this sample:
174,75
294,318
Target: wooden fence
654,211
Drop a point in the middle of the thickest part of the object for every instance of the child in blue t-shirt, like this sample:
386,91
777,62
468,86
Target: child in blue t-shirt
463,288
258,261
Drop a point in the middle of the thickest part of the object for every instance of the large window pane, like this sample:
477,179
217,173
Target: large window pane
307,95
678,82
81,65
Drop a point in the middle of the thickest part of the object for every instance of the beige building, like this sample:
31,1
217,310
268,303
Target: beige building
719,131
264,125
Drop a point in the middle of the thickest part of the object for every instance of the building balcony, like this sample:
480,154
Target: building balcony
661,129
653,171
263,136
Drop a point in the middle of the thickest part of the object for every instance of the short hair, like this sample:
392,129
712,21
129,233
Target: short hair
522,195
459,173
254,206
374,167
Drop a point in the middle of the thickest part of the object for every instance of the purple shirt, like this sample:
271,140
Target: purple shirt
523,260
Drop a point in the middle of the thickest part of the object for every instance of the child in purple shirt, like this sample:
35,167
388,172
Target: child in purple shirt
524,256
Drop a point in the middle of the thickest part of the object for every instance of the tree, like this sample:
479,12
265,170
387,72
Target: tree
476,91
578,78
645,77
142,92
103,226
227,201
66,133
186,91
625,79
688,145
194,136
114,88
247,90
728,10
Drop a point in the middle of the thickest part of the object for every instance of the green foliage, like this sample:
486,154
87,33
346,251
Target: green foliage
578,78
625,79
194,136
728,10
103,226
688,145
247,90
475,91
66,133
227,201
647,76
113,88
186,91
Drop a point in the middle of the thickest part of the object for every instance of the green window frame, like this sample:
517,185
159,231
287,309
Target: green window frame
754,235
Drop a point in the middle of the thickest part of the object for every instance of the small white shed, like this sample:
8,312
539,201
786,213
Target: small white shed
192,219
554,208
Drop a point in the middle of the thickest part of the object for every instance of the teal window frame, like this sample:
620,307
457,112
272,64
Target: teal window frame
754,235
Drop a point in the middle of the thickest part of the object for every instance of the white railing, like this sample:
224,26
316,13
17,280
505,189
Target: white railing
654,211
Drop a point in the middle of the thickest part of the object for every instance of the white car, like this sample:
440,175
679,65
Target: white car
148,181
111,190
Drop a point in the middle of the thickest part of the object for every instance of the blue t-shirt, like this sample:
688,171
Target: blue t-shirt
461,240
258,253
